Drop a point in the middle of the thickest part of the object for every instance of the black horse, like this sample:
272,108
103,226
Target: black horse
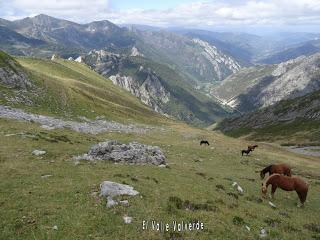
246,151
204,142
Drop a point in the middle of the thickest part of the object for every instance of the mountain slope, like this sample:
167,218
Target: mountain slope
201,62
265,85
295,120
69,89
305,49
156,85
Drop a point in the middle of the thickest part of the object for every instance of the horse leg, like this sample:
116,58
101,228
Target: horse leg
302,197
273,189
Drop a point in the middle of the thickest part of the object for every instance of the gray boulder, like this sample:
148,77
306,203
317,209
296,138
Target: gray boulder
112,189
132,153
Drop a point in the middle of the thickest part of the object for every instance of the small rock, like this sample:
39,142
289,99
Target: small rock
38,152
239,188
55,227
272,205
248,228
111,202
46,127
263,233
124,203
76,163
46,176
162,166
112,189
126,219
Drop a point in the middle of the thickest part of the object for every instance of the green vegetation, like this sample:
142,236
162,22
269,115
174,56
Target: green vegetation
70,89
298,132
197,186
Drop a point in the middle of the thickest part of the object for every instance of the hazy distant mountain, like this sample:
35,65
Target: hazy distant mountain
305,49
265,85
93,35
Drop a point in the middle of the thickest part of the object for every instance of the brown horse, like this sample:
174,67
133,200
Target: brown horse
286,183
252,147
246,151
276,168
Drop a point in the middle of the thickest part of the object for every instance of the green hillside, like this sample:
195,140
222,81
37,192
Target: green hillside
71,89
293,121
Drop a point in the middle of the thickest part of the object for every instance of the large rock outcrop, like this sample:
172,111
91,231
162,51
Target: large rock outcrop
132,153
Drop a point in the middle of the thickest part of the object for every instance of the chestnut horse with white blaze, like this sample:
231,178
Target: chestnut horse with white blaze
276,168
287,184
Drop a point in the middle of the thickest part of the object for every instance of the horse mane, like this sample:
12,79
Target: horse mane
266,169
271,176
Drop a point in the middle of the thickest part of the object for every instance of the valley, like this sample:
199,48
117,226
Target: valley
161,116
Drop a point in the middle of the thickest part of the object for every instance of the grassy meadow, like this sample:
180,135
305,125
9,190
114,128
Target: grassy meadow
202,176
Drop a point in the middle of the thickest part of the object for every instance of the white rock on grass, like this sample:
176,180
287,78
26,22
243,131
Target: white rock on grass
263,233
239,188
272,205
55,227
112,189
38,152
126,219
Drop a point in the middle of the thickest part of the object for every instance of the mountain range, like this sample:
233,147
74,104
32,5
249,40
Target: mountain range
193,75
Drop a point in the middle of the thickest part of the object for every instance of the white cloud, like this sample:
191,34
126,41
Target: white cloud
196,14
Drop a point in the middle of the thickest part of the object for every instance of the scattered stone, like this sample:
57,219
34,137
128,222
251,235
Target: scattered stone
38,152
248,228
126,219
263,233
272,205
87,126
132,153
162,166
55,227
112,189
124,202
46,176
239,188
46,127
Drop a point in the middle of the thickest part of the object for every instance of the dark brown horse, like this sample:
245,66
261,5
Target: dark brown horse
252,147
204,142
276,168
246,151
287,184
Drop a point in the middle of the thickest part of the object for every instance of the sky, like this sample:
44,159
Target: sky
224,15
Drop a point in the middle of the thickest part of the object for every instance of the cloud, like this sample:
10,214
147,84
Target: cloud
195,14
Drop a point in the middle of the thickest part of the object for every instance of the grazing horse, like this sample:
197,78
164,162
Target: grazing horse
252,147
246,151
276,168
204,142
287,184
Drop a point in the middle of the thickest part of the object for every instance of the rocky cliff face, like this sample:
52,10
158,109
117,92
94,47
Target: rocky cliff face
269,85
202,62
151,92
11,73
143,83
219,61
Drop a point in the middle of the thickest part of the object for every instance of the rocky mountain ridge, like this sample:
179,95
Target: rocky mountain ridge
263,86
